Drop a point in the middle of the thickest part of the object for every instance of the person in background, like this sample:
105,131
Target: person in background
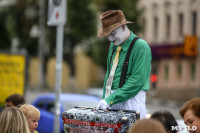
14,100
190,112
32,115
124,92
12,120
147,126
167,119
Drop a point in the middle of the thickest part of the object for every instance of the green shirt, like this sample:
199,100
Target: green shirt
137,76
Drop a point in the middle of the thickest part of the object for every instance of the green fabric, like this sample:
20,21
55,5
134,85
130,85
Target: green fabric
137,76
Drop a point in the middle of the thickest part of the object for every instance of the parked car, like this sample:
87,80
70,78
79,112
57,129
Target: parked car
96,92
45,103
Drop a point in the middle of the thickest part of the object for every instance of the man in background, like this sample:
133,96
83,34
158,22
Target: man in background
14,100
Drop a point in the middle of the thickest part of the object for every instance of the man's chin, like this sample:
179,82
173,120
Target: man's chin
116,44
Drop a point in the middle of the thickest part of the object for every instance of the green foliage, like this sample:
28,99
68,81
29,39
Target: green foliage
81,25
24,24
80,21
16,24
97,49
5,41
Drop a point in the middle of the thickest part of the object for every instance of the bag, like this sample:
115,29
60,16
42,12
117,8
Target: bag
88,120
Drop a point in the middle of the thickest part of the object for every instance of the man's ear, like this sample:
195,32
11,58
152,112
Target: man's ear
124,27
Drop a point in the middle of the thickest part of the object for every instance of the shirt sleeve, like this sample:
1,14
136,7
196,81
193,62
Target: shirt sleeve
140,71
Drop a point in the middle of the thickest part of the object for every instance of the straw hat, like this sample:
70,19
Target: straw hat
111,20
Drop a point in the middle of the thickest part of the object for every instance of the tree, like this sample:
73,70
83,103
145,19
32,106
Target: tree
5,41
80,26
16,22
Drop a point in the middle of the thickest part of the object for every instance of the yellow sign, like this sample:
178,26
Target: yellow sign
12,73
191,46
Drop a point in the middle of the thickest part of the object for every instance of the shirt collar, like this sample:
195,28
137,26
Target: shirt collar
127,43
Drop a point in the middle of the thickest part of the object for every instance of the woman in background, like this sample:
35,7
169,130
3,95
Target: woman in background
147,126
190,112
167,119
12,120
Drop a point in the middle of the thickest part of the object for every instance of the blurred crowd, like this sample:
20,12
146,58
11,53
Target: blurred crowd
18,116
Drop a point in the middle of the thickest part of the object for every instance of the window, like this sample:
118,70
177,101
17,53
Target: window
193,2
168,25
47,105
180,6
50,106
180,17
194,23
167,6
179,71
166,73
155,21
192,71
40,104
155,8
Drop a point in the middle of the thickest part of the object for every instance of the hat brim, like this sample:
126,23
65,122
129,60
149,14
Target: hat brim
103,32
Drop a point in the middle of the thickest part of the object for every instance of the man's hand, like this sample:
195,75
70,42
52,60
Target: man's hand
103,105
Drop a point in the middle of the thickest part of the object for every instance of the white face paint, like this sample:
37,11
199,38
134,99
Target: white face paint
117,36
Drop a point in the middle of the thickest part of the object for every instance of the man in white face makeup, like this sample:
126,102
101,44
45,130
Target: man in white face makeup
119,35
124,89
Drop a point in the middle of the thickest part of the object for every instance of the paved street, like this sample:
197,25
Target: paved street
154,105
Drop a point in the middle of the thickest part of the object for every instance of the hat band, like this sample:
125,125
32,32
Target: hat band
110,27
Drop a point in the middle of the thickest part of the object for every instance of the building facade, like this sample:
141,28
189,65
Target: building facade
172,29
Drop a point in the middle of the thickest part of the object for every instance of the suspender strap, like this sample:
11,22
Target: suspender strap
125,64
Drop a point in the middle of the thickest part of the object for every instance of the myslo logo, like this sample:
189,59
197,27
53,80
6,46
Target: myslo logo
179,128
